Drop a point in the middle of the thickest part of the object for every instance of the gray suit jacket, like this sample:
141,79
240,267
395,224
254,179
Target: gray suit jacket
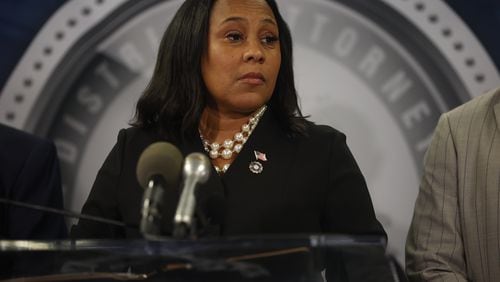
455,233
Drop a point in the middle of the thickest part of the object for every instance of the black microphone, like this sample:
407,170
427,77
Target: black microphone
158,168
196,171
63,212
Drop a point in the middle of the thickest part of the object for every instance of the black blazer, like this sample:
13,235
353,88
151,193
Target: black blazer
30,174
308,185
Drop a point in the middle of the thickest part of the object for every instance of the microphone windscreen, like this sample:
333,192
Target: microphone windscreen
160,158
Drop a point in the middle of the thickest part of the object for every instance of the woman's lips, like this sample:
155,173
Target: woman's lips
252,78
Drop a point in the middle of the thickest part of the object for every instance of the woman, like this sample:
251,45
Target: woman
223,85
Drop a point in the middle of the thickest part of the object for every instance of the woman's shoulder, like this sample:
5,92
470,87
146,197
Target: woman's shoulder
322,131
138,134
136,138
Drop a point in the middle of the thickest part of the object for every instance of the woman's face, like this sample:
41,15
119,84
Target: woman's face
243,56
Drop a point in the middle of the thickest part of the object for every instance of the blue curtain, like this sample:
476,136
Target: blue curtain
20,20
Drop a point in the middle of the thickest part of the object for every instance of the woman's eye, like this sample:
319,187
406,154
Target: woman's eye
269,39
234,36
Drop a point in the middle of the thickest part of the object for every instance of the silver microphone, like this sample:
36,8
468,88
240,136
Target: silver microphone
196,171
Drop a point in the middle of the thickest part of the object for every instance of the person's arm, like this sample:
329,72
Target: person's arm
102,198
39,183
348,209
434,248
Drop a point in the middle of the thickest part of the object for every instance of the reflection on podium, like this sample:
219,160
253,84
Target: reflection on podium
269,258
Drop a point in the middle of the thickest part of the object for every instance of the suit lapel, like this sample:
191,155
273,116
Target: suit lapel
268,138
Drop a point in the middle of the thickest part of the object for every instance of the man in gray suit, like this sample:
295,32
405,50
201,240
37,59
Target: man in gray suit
455,232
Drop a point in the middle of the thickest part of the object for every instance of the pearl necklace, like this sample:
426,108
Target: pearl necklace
230,146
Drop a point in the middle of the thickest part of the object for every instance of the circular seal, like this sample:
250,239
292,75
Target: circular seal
380,71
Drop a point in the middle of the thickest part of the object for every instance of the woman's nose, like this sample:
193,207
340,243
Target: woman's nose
254,53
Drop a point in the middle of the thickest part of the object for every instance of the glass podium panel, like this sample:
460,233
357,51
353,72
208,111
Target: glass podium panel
265,258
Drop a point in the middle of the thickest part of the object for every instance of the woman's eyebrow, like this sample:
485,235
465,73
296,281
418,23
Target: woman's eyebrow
241,19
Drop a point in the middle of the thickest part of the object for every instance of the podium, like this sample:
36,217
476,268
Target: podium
263,258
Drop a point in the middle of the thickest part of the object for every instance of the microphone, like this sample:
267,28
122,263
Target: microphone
158,168
196,171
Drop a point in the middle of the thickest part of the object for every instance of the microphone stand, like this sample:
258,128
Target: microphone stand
64,212
181,230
